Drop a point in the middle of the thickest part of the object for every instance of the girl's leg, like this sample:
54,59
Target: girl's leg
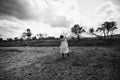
68,54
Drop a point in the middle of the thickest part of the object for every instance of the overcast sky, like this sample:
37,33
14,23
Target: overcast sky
54,16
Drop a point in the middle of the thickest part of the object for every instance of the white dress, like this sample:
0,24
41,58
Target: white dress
64,46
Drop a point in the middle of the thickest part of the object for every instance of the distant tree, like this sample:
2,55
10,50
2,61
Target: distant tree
34,38
1,39
28,34
21,39
101,29
107,28
24,35
16,39
40,35
110,27
92,31
10,39
50,37
76,29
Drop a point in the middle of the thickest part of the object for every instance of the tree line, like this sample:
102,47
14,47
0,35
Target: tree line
107,30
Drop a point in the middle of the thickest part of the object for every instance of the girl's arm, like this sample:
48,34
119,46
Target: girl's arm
67,38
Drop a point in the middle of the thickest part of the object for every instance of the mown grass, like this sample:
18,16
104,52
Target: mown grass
45,63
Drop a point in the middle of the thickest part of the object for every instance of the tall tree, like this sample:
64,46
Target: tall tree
107,28
102,29
28,34
110,27
16,39
76,29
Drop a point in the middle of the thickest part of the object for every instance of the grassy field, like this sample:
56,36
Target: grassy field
46,63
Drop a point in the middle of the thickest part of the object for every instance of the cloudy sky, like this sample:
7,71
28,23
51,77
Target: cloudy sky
54,16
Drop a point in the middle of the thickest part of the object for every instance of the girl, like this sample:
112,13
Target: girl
64,46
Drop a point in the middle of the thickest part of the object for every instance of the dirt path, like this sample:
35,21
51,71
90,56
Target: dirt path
45,63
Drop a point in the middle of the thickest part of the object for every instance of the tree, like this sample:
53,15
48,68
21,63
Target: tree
16,39
101,29
1,39
107,28
110,27
76,29
10,39
21,39
40,35
34,38
92,31
50,37
24,35
28,34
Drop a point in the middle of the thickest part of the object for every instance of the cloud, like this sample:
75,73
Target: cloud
15,13
12,8
58,21
41,13
39,10
26,9
107,8
117,2
22,9
107,11
10,29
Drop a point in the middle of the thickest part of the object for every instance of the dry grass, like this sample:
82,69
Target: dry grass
45,63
